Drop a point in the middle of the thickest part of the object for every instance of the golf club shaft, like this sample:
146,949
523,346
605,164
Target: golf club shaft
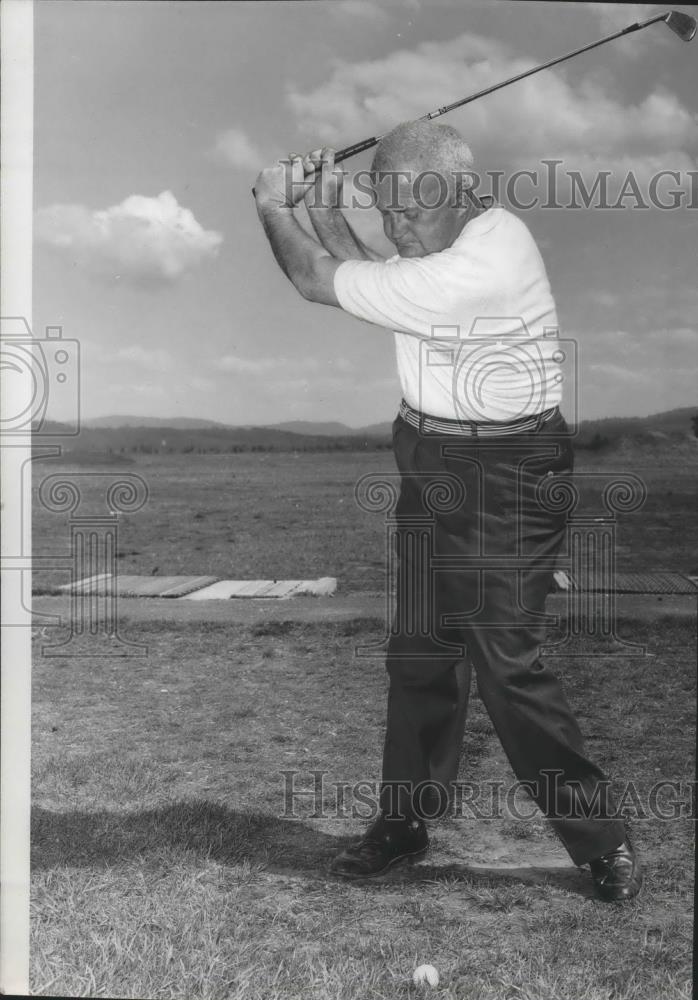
682,24
359,147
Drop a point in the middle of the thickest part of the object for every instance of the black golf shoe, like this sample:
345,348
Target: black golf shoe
384,844
617,875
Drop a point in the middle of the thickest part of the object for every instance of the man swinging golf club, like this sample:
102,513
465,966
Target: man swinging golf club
483,415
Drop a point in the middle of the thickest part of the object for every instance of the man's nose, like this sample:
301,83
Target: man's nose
398,224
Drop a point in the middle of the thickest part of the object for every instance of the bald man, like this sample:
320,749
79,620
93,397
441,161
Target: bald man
468,300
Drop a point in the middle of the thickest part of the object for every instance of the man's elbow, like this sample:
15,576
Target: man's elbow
305,286
316,284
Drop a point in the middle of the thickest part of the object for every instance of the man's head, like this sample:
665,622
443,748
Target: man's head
421,178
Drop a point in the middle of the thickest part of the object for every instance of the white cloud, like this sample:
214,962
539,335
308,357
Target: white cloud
143,240
122,389
621,15
200,384
152,359
365,98
682,335
285,370
614,17
544,116
657,357
179,383
236,148
361,10
620,373
604,298
343,365
635,341
377,11
634,372
232,364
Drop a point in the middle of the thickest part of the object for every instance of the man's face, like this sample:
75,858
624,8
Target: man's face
418,211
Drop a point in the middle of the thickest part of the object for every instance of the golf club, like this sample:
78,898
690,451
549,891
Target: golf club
681,24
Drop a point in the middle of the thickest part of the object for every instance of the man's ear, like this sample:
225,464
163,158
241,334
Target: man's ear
463,197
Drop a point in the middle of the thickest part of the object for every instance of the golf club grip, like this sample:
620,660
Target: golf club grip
358,147
344,154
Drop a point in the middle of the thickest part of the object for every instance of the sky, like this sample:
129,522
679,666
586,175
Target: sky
152,120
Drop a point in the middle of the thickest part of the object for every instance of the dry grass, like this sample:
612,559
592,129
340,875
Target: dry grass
162,866
286,516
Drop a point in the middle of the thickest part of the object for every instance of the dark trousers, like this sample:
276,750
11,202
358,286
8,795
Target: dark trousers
480,499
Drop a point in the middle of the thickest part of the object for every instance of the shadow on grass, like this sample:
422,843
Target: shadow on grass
570,878
196,827
208,830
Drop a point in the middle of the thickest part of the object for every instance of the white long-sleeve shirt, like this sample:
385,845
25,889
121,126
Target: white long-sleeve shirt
475,324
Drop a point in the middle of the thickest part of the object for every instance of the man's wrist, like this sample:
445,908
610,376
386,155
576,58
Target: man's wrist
320,206
274,208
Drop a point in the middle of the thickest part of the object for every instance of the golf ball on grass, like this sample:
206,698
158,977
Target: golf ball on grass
425,975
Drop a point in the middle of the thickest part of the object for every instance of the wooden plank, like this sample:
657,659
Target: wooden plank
221,590
251,588
138,586
188,585
248,589
283,588
143,586
82,586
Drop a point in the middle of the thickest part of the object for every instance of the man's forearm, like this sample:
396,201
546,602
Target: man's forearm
294,249
337,236
303,260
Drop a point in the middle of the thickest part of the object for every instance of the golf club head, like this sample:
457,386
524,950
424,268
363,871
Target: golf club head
681,24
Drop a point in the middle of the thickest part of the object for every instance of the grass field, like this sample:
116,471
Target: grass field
163,863
268,516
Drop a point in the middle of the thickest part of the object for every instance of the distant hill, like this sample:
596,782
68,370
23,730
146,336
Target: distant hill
180,423
669,423
109,442
189,435
378,430
304,427
308,427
